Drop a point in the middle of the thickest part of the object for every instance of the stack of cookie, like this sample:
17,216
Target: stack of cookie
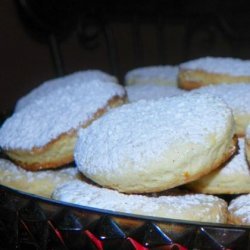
228,79
132,155
153,146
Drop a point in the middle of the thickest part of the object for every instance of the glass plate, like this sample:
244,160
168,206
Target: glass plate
31,222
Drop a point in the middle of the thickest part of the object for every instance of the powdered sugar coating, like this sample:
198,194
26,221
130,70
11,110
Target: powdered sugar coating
11,172
181,206
51,85
161,73
151,91
238,164
219,65
60,111
240,207
248,132
237,96
126,140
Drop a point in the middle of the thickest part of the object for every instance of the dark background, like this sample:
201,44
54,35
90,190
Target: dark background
40,40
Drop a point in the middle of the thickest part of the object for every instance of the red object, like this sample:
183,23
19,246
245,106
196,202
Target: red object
180,247
98,243
136,245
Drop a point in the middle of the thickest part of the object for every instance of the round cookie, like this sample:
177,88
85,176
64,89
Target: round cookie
62,82
150,91
213,70
150,146
232,178
207,208
239,210
237,96
161,74
43,134
40,183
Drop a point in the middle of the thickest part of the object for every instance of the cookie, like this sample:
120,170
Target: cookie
151,91
237,97
39,183
192,207
232,178
150,146
213,70
159,74
239,210
42,135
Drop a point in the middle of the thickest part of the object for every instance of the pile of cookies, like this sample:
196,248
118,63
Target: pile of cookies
169,142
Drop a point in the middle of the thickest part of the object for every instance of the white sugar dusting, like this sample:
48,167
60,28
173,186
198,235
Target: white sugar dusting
219,65
238,164
51,85
143,131
11,172
150,91
151,73
58,112
240,207
248,132
237,95
88,195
